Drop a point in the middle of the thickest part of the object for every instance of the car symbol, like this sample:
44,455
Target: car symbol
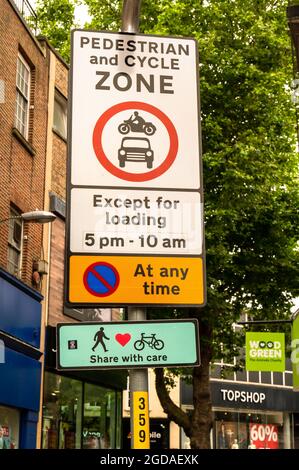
135,149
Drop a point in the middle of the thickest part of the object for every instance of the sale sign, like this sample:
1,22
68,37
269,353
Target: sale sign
264,436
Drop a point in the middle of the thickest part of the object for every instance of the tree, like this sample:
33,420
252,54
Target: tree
250,176
55,19
250,169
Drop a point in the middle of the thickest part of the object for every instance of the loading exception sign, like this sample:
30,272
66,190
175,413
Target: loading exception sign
101,279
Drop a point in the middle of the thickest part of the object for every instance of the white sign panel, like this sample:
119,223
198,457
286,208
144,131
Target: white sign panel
145,222
143,91
134,186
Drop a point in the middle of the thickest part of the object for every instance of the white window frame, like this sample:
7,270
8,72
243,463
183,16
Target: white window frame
12,245
60,102
23,85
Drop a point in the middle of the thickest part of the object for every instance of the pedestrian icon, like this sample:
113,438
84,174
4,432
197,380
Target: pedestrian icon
136,123
98,338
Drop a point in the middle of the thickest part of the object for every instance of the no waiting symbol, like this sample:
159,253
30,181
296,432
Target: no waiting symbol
101,279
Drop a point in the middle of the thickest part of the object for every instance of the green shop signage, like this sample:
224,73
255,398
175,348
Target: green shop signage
295,353
127,344
265,352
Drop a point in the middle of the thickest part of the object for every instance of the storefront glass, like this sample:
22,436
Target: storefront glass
240,429
99,418
79,415
9,428
253,430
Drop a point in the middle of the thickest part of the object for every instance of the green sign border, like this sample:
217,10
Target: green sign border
137,366
295,366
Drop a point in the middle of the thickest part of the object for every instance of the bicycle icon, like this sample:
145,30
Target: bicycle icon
150,340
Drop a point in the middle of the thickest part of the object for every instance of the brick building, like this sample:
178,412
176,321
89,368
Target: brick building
38,405
81,409
23,143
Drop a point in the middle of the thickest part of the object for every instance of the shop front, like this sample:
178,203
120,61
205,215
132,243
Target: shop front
159,433
81,409
78,414
249,416
20,369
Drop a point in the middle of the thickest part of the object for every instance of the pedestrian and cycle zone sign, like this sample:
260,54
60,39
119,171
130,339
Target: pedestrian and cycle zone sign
127,345
134,174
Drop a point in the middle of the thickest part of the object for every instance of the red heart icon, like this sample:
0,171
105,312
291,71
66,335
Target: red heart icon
123,339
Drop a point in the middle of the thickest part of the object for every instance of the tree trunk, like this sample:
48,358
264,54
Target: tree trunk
198,426
174,412
202,413
202,402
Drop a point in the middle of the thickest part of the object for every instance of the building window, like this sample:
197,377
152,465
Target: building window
23,96
80,415
239,429
9,428
14,242
60,115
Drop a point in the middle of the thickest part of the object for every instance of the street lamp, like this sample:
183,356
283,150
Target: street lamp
38,217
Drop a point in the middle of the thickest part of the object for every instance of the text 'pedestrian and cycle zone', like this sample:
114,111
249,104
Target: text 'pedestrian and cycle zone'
134,111
139,280
132,344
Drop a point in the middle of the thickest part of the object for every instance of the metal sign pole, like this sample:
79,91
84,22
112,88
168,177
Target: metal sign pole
130,16
138,377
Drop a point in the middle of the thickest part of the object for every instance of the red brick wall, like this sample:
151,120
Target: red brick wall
57,274
59,167
57,278
58,186
21,175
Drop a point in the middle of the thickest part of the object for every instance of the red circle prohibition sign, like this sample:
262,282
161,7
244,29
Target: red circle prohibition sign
101,279
125,175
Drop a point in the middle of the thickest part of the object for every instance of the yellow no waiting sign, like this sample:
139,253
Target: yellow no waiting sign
119,280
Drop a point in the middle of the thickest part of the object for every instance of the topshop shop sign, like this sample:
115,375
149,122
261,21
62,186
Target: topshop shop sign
236,395
242,396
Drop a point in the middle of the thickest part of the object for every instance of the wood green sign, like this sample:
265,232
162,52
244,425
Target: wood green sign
265,352
127,344
295,353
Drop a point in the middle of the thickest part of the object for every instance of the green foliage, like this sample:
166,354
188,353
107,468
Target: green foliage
105,14
249,158
250,163
55,19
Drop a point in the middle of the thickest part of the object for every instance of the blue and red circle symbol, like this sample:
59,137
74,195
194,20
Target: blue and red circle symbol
101,279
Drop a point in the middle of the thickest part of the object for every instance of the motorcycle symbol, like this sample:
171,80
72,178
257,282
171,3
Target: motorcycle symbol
136,123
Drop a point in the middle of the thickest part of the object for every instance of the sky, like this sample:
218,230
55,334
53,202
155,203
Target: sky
81,14
296,306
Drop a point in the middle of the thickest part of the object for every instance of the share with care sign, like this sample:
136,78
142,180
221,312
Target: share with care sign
127,345
134,172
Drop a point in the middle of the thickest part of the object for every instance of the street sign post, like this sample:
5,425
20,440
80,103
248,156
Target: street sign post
134,175
127,345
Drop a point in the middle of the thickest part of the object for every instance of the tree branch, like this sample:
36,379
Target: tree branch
173,412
